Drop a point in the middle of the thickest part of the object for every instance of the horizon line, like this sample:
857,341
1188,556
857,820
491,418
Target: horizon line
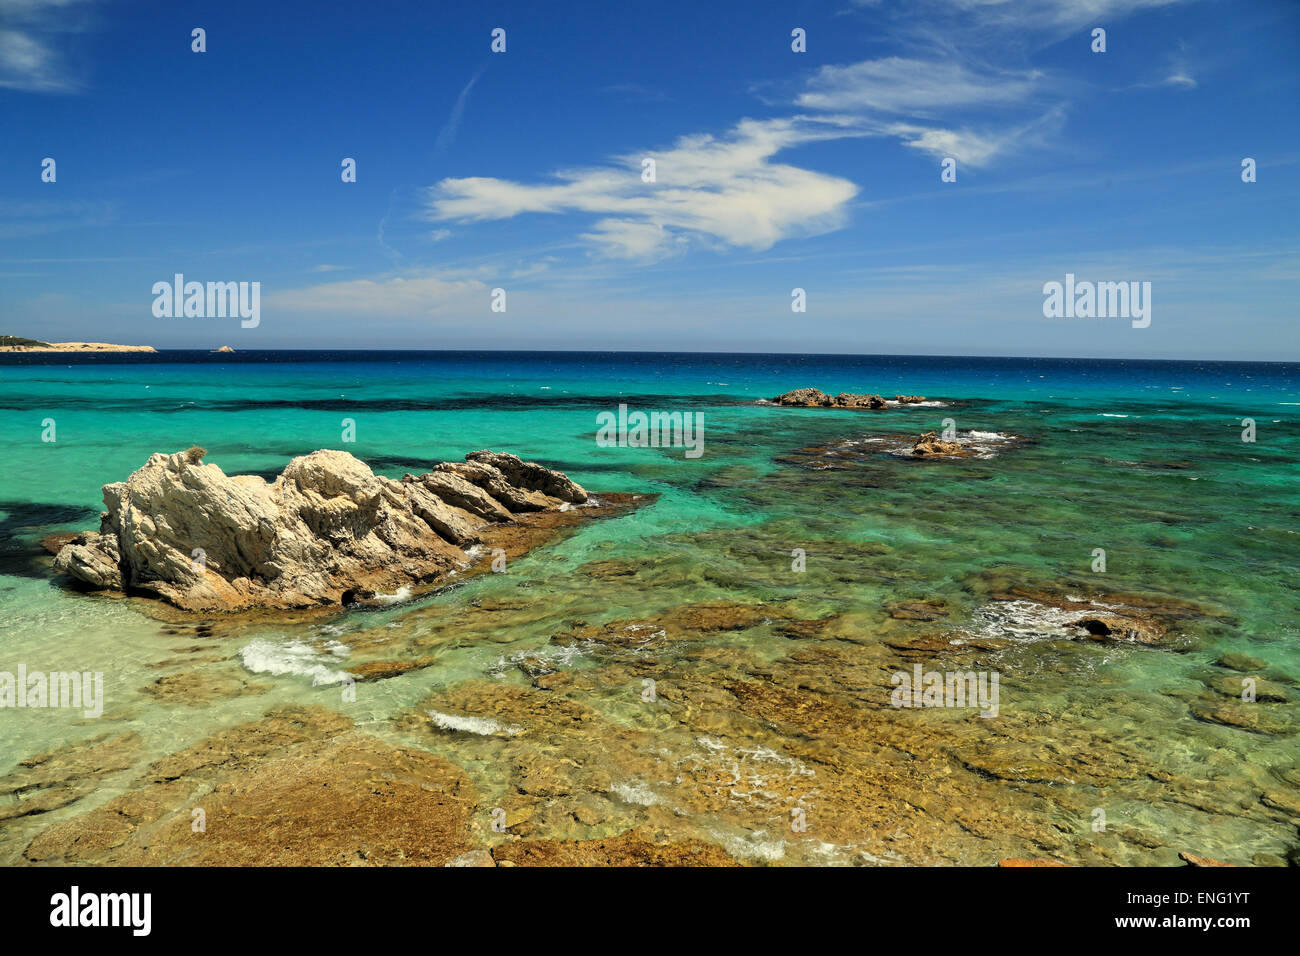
560,351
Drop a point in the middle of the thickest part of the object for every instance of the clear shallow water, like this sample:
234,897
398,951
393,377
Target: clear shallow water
1142,459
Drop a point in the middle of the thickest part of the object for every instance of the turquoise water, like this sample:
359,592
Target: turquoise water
1143,460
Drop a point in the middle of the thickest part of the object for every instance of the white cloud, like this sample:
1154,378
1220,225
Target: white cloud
908,98
913,86
447,134
720,190
1048,14
728,191
32,54
396,296
971,148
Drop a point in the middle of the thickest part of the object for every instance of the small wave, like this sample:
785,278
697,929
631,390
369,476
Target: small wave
402,595
293,658
1022,621
635,792
557,656
483,726
1027,621
752,846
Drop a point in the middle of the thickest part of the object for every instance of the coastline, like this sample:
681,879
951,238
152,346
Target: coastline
75,347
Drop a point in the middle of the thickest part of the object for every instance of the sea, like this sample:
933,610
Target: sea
1097,480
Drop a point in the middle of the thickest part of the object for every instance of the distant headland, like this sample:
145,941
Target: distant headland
14,343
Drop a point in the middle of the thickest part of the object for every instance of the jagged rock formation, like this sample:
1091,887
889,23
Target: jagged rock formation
326,530
816,398
931,445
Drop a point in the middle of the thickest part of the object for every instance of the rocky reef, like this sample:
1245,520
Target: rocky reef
816,398
931,445
326,531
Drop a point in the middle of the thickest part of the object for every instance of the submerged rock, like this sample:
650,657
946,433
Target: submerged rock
55,779
1246,687
300,787
1014,861
327,528
1255,717
628,849
1200,861
916,609
1241,662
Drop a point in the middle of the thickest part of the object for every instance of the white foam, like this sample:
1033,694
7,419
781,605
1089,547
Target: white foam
402,595
752,846
1022,621
636,792
1030,621
558,655
294,658
483,726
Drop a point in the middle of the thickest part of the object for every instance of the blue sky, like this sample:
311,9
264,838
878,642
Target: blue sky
775,170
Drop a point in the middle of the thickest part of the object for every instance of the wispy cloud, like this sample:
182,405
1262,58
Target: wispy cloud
402,295
20,219
447,135
909,97
723,191
34,39
1048,18
915,87
635,92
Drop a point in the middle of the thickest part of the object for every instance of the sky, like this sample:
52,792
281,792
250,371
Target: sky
774,170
